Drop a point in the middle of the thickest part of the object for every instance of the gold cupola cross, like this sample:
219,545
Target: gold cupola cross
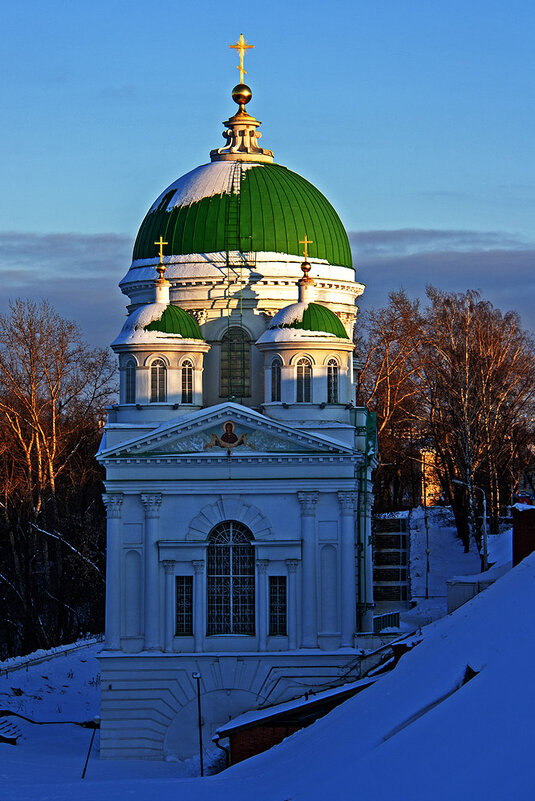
161,268
306,242
241,45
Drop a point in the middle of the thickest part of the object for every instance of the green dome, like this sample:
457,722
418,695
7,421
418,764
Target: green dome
237,206
175,320
309,317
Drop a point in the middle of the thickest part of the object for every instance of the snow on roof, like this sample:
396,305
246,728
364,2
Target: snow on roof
204,181
133,331
311,698
294,335
203,264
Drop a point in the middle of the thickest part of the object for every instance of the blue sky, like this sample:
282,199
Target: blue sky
415,118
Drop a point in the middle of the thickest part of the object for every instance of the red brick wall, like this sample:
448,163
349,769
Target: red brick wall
247,743
523,534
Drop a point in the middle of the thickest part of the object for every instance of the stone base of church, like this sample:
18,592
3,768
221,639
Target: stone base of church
149,700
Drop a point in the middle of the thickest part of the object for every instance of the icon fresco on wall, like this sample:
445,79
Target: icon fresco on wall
228,439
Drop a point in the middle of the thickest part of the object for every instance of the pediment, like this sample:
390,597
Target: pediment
225,429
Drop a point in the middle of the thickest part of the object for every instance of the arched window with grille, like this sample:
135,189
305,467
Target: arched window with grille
304,381
158,381
235,363
276,379
231,579
187,381
130,382
333,371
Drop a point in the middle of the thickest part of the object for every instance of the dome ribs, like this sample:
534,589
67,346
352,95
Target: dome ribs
274,209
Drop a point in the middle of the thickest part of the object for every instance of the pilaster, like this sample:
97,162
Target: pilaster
309,613
152,505
113,502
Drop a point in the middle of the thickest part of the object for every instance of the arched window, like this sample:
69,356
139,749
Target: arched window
130,382
235,363
304,381
158,381
187,381
332,381
231,580
276,380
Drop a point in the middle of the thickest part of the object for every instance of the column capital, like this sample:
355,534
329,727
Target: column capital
198,565
291,564
113,502
262,565
152,504
168,566
308,501
347,501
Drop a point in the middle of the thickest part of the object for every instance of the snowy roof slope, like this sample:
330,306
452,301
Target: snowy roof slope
416,735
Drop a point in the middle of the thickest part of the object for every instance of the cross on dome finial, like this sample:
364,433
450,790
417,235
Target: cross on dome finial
161,268
241,134
305,266
306,242
241,45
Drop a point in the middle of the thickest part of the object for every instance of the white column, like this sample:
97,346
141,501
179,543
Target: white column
291,603
113,502
348,597
309,613
262,602
152,572
169,614
365,560
199,593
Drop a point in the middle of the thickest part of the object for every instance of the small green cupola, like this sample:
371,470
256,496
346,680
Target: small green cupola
176,321
311,317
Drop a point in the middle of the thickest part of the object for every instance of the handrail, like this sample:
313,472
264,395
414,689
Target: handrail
37,660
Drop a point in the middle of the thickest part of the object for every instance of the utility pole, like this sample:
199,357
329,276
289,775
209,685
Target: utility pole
197,677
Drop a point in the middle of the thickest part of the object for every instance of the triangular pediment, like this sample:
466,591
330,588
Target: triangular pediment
227,428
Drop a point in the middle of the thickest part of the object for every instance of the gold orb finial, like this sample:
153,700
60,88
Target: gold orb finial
241,94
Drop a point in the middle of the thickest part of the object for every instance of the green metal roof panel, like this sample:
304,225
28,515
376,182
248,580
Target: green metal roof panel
273,209
175,320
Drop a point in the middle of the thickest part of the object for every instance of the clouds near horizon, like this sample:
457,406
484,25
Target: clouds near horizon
79,273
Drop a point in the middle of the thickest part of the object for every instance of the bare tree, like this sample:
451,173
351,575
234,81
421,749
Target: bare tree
53,392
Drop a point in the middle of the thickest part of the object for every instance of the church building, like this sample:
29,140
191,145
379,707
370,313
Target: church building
238,468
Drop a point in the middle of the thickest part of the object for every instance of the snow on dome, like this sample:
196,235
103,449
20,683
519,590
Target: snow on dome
133,330
304,321
204,181
268,204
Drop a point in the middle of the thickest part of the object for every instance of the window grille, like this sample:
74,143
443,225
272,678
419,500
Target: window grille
332,381
231,580
158,381
277,605
275,380
304,380
130,383
187,381
184,605
235,363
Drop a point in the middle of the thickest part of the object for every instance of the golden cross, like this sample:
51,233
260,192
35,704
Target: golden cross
161,243
306,242
242,46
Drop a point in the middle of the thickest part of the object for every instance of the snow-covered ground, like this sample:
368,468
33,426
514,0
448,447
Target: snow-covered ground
453,720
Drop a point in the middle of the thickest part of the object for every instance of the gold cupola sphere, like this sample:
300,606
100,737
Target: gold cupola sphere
242,94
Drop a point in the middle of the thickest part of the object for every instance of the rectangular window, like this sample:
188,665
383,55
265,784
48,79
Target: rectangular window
130,384
277,605
184,605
